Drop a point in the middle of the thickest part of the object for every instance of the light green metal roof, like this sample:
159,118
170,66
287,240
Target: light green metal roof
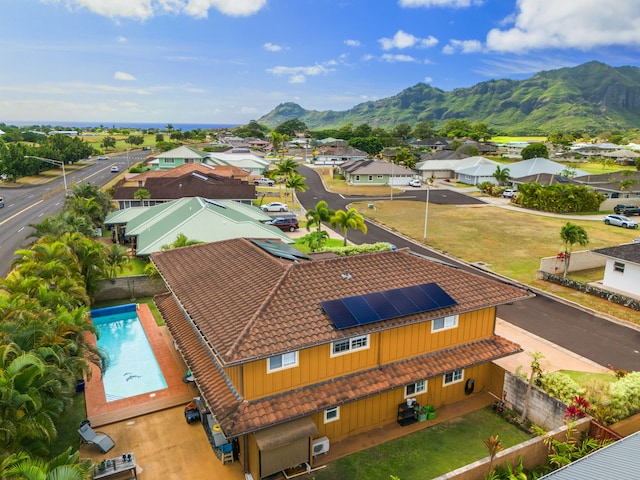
199,219
124,216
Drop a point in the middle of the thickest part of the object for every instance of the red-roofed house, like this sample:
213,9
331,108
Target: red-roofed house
291,353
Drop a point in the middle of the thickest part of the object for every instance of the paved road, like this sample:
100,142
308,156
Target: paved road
575,329
31,204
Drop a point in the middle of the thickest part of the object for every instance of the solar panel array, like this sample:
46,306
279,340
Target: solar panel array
374,307
281,250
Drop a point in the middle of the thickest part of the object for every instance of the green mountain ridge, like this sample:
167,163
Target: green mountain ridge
590,97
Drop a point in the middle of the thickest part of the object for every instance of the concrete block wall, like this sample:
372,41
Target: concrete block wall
582,260
137,286
544,411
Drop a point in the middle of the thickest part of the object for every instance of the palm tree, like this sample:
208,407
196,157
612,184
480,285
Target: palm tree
315,216
66,466
502,175
295,182
349,219
181,241
572,234
142,194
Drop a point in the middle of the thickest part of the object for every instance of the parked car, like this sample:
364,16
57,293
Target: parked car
415,183
285,223
620,221
1,202
115,168
509,193
102,157
627,209
263,181
274,207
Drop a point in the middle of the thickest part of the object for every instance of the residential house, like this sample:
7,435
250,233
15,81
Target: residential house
338,155
148,229
438,143
474,169
255,164
623,156
292,353
186,181
332,142
511,149
176,157
615,185
622,270
534,166
375,172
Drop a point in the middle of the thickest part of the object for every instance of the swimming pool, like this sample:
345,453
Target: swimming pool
133,368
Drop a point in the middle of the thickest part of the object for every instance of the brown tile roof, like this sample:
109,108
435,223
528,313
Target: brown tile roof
237,416
228,171
248,304
194,184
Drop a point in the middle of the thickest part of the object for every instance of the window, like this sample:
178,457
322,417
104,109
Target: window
169,160
280,362
444,323
349,345
380,177
370,178
453,377
357,178
332,414
415,388
618,267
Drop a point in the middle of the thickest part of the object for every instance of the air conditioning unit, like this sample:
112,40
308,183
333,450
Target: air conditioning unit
320,445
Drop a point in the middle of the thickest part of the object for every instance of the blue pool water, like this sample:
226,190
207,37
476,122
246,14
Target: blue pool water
133,368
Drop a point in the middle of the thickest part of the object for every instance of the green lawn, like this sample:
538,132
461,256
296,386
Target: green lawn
428,453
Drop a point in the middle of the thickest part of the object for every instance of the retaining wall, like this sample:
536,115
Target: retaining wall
137,286
582,260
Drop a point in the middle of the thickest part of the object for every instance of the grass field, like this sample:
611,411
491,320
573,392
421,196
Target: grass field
427,453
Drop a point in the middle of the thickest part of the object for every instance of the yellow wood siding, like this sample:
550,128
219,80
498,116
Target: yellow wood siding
316,364
235,375
379,410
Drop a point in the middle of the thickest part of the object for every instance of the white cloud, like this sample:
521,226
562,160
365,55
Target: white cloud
428,79
439,3
123,76
462,46
367,57
299,74
272,47
144,9
352,43
405,40
387,57
121,39
540,24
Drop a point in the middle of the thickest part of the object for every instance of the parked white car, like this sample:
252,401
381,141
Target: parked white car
509,193
415,183
620,221
274,207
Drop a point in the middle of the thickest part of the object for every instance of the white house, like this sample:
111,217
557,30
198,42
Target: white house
451,168
622,270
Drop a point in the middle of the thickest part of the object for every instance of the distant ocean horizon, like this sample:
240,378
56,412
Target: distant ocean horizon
134,125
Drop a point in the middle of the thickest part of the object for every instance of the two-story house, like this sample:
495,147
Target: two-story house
291,352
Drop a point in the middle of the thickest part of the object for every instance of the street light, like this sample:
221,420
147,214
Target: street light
426,214
54,162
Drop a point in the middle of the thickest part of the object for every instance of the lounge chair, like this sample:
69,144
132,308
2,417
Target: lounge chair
102,440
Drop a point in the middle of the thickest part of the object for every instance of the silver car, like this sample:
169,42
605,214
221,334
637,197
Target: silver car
620,221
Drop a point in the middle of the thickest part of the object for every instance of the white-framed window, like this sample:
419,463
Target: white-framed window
280,362
370,178
618,267
444,323
349,345
453,377
357,178
415,388
169,160
332,414
380,177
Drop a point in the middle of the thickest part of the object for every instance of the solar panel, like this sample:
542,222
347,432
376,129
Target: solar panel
281,250
361,310
339,314
373,307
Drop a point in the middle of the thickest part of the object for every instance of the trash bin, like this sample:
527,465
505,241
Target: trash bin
431,412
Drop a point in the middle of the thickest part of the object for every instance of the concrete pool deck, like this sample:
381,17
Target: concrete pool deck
100,412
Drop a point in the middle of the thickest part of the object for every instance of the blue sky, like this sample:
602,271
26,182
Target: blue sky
231,61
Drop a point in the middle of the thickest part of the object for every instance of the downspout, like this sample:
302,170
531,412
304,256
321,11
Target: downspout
245,460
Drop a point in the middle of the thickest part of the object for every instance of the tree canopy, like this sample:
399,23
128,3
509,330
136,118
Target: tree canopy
535,150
